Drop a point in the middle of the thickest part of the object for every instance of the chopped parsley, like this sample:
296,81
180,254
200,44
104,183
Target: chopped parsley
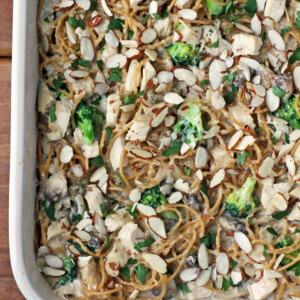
295,56
225,284
125,272
52,114
162,16
143,244
280,215
284,30
251,7
209,240
272,231
100,64
76,218
229,77
108,132
130,34
241,157
183,288
141,273
265,250
115,75
213,45
204,82
173,149
97,161
233,263
132,261
49,210
203,189
76,23
130,99
107,242
115,24
122,180
79,61
278,92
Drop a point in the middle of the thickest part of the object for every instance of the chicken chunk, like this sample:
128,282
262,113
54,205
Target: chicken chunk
275,9
163,27
45,98
89,272
295,213
115,153
148,73
246,44
139,129
132,72
262,289
94,198
112,113
56,186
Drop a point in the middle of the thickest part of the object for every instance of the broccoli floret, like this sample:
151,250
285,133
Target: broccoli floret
89,119
214,8
240,202
153,197
287,112
184,54
190,128
70,268
286,260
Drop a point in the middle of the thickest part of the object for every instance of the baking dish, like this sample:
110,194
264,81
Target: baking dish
23,152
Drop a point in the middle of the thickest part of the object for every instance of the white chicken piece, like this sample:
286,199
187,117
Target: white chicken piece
45,98
128,235
163,27
63,114
139,130
196,292
148,73
89,272
114,222
295,213
86,85
191,36
132,73
103,26
115,153
220,159
262,289
94,198
57,228
56,186
73,289
275,9
246,44
113,107
107,52
241,115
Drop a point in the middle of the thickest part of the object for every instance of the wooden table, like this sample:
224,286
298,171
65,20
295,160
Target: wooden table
8,287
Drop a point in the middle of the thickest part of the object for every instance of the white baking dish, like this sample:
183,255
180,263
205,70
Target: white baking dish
23,152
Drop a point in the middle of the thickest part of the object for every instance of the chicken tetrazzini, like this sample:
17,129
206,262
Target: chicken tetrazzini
169,149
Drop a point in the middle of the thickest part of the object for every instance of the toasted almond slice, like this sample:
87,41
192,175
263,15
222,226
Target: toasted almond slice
53,261
134,54
95,21
116,61
87,49
83,223
269,273
222,263
105,8
101,88
259,90
203,258
265,168
204,63
153,7
213,131
251,63
245,142
99,224
152,54
184,148
256,25
189,274
170,121
82,235
157,225
173,98
148,36
279,202
175,197
177,36
155,262
235,138
51,272
98,175
159,117
243,241
140,153
278,261
135,195
217,178
83,4
187,14
146,210
243,28
201,157
290,163
276,40
199,174
73,250
272,100
43,250
165,77
261,5
64,5
268,22
295,192
78,74
217,101
185,75
111,39
216,70
296,77
129,43
71,33
204,277
236,277
66,154
257,101
182,186
68,76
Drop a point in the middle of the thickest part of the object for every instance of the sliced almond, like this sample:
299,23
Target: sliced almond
64,5
153,7
204,277
116,61
175,197
159,117
182,186
187,14
165,77
236,277
216,70
87,49
243,28
155,262
266,167
251,63
82,235
256,101
105,8
170,120
101,88
204,63
235,138
152,54
259,90
184,148
98,175
157,225
173,98
95,21
99,224
111,39
134,54
177,36
53,261
296,77
83,4
140,153
244,143
222,263
290,163
279,202
43,250
261,5
148,36
203,258
201,157
243,241
146,210
135,195
185,75
217,178
269,273
71,33
268,22
256,25
295,192
272,100
66,154
83,223
73,250
78,74
68,77
276,40
129,43
51,272
213,131
189,274
217,101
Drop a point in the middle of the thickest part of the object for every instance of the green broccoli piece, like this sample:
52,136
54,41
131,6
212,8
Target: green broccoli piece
184,54
214,8
287,112
240,203
89,119
190,128
153,196
71,269
286,260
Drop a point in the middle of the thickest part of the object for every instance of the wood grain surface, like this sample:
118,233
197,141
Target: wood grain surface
8,287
